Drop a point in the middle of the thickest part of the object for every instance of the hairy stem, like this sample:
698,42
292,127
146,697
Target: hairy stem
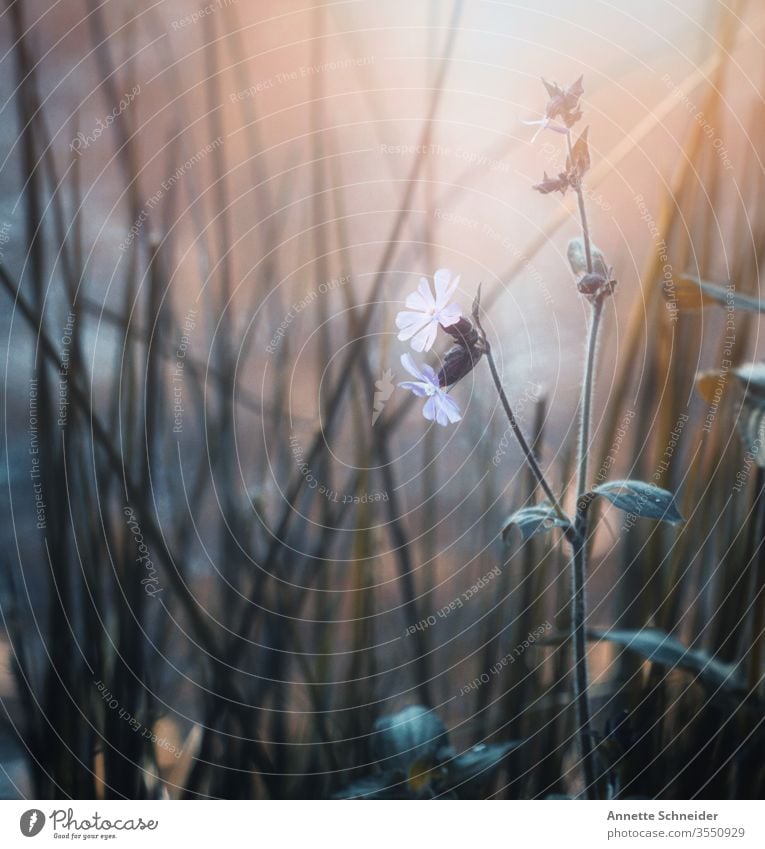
583,453
581,677
582,212
579,565
527,452
579,547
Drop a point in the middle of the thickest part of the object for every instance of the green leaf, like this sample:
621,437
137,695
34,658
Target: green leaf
751,419
642,499
659,647
692,293
537,519
466,774
580,154
413,734
577,259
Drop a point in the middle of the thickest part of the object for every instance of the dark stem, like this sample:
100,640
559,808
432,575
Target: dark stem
581,678
586,404
582,211
579,564
585,228
527,452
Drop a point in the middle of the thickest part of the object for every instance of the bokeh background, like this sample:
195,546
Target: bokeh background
213,560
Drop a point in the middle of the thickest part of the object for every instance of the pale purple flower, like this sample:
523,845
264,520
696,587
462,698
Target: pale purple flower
426,311
545,124
439,407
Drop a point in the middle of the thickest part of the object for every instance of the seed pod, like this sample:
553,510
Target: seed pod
459,361
594,285
463,333
591,284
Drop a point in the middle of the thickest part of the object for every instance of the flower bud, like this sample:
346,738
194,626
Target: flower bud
463,333
595,285
564,103
459,361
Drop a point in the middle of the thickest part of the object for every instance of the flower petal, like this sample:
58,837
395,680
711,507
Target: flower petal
442,409
429,374
410,323
411,366
419,388
421,300
424,338
450,315
446,286
450,407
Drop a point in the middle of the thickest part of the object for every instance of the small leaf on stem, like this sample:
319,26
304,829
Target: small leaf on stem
580,155
530,521
642,499
661,648
577,259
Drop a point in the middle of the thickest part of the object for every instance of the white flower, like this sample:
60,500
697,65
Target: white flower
440,406
427,312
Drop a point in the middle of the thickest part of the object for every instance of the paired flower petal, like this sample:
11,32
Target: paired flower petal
439,407
418,327
419,323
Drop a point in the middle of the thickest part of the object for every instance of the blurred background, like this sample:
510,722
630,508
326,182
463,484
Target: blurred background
215,551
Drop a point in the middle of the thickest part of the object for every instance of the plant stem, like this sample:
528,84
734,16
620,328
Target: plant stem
581,677
583,453
582,212
527,452
579,565
579,547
